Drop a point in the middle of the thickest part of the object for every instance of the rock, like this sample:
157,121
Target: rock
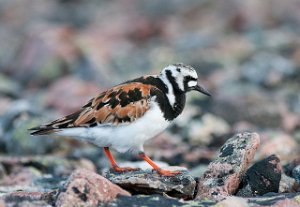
28,179
263,177
275,200
76,93
149,182
14,125
233,200
30,199
198,171
143,200
247,103
23,176
86,188
269,73
287,184
296,174
224,174
202,132
279,143
46,54
289,167
54,165
9,87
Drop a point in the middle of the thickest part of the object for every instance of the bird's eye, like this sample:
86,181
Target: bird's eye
189,78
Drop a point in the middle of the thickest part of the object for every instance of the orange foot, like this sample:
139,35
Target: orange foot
125,169
168,172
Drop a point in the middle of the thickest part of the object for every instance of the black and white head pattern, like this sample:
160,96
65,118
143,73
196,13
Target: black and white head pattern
178,78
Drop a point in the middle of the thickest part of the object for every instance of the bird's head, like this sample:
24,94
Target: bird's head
183,78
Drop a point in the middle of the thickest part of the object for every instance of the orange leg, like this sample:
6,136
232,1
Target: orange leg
155,166
114,163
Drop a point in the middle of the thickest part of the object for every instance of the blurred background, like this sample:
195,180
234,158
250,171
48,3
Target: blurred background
56,55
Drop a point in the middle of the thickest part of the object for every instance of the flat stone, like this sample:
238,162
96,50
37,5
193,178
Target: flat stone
278,200
86,188
150,182
30,199
223,176
155,200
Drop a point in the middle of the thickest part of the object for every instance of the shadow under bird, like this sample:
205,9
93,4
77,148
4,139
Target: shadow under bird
125,116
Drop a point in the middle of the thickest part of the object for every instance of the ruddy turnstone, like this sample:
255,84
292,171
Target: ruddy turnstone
125,116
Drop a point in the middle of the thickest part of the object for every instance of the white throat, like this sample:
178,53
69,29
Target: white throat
170,94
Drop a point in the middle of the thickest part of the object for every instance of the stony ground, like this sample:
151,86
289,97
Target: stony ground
240,147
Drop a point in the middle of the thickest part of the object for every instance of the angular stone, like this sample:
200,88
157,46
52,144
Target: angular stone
263,177
149,182
224,174
86,188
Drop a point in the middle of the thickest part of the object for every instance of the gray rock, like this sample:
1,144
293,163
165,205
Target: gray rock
223,176
29,199
296,173
14,125
287,199
149,182
261,70
29,180
287,184
8,87
54,165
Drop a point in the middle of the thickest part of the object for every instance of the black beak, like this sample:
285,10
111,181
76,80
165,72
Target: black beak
201,90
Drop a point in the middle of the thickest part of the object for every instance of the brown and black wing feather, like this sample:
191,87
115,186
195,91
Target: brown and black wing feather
121,104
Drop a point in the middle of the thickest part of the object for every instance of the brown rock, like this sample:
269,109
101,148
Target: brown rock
224,175
86,188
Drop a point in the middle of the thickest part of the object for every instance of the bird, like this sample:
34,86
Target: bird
123,117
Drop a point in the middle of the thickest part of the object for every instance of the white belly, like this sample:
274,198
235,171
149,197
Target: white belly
123,137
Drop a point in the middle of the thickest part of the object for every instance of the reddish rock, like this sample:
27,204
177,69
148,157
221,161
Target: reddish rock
281,144
23,176
276,200
86,188
224,174
75,92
